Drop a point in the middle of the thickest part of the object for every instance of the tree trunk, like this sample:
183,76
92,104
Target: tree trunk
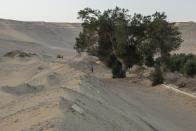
124,69
123,66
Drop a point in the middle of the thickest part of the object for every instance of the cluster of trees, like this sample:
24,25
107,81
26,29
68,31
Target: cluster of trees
121,40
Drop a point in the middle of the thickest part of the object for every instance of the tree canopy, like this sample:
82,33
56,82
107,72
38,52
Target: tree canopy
121,40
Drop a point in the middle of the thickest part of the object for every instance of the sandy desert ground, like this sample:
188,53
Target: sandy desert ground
188,30
43,93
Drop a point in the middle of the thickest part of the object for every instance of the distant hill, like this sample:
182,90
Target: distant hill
41,37
58,38
188,30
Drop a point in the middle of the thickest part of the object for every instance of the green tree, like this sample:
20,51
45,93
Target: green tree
190,68
122,41
81,43
163,35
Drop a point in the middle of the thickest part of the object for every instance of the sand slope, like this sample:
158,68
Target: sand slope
188,30
58,95
43,38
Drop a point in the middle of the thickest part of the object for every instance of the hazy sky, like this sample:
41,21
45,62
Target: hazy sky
66,10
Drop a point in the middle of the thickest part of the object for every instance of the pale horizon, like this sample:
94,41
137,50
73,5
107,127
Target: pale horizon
66,11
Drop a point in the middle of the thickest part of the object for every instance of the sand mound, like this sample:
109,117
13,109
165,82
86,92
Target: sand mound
53,79
18,53
22,89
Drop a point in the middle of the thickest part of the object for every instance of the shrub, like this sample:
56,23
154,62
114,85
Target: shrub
182,63
157,76
190,68
176,62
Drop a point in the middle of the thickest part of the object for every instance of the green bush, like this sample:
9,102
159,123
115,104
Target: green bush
182,63
157,76
176,62
190,68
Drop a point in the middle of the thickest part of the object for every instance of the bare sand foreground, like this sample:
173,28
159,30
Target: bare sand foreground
62,95
39,92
